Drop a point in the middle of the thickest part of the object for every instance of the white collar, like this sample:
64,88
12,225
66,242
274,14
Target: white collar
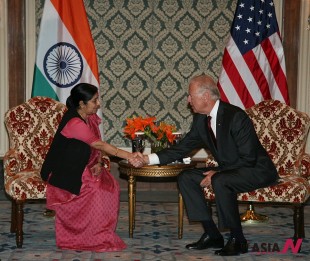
213,112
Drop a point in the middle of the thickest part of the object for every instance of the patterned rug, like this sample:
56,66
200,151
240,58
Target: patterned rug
155,236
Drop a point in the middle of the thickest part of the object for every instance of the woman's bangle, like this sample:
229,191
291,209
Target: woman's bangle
116,152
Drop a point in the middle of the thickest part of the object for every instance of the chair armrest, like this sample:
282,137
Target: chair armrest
11,163
210,161
305,166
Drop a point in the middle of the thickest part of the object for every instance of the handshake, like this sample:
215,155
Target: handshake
138,160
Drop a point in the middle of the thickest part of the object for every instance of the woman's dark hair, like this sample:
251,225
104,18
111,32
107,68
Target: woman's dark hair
81,92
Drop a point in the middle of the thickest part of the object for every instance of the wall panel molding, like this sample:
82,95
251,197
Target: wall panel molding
30,44
278,5
291,38
17,57
4,86
303,86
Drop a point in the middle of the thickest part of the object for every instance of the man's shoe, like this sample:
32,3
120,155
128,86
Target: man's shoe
205,242
233,248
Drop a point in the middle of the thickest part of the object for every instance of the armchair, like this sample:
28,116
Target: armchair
31,127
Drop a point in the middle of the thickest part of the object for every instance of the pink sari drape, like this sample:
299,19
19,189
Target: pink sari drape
87,221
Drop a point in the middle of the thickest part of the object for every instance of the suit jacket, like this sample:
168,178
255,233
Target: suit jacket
238,147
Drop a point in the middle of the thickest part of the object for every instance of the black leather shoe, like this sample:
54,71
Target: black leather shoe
233,248
205,242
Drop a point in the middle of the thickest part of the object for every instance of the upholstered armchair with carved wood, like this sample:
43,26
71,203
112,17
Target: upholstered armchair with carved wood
31,127
283,132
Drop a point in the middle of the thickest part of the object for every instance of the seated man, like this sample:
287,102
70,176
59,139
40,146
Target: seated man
244,165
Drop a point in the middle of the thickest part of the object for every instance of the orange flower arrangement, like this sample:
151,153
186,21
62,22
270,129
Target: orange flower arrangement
162,133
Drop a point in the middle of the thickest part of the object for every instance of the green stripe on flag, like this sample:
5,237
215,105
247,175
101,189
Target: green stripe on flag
41,87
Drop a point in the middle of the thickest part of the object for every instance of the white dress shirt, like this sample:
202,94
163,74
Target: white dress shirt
213,114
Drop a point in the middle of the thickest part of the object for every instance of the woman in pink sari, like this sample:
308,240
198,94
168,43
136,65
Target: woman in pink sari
83,193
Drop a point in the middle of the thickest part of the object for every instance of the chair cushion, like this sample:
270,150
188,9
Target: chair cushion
26,184
291,189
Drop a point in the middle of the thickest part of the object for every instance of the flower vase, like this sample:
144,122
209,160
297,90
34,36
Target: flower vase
138,142
158,146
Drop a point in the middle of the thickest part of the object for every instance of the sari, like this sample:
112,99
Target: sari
87,221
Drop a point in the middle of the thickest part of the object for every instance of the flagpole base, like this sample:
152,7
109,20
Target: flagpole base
250,217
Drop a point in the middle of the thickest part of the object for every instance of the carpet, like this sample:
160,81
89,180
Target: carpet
155,236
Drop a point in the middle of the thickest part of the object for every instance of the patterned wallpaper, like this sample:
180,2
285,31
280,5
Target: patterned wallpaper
147,52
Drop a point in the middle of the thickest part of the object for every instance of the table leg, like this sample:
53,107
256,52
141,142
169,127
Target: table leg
181,212
134,203
131,199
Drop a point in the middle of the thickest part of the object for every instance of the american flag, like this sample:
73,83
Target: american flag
253,67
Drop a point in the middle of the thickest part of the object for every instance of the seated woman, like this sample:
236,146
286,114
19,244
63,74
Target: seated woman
84,195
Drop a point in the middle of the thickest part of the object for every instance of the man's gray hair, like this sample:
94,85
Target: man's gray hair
206,83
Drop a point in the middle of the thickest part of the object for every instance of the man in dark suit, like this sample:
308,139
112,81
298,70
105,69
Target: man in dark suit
243,165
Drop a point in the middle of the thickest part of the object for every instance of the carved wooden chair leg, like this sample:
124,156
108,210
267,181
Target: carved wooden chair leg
13,217
299,225
250,216
19,223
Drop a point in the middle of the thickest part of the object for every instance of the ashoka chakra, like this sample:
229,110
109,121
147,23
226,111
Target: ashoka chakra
63,64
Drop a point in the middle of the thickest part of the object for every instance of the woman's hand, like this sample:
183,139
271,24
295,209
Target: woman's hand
207,180
136,160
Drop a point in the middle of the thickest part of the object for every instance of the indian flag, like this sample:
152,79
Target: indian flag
66,53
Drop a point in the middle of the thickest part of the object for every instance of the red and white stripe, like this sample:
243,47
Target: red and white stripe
258,75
